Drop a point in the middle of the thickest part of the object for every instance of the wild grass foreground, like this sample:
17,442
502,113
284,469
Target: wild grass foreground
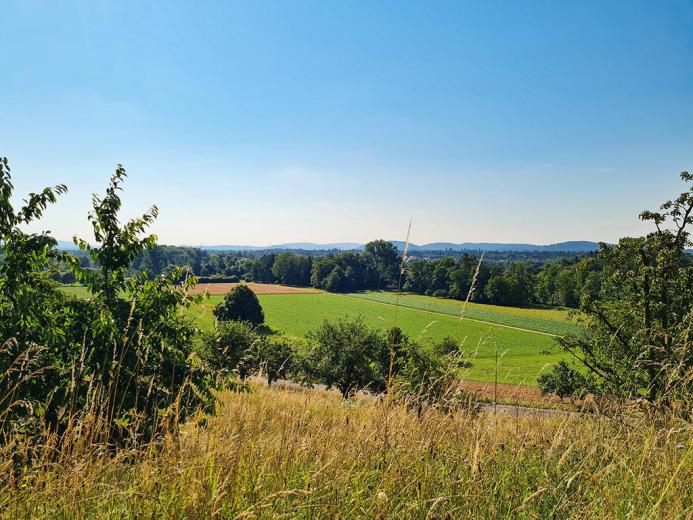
300,453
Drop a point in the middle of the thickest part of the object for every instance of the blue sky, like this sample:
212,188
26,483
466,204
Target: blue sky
268,122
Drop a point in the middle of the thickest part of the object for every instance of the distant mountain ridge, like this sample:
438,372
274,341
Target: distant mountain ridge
570,246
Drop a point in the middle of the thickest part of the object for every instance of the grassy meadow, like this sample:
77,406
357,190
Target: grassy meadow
522,354
298,453
548,320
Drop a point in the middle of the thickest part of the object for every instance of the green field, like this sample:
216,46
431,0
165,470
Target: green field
522,354
75,290
551,321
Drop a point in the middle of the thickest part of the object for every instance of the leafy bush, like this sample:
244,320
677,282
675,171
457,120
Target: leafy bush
228,350
275,357
564,381
429,379
135,356
30,313
446,346
122,358
637,339
240,304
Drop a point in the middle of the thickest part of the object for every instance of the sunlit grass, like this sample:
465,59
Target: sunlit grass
307,454
550,321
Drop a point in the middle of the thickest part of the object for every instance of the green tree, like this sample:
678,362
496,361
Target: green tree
291,269
498,290
261,269
428,379
275,357
240,304
337,281
419,276
387,262
32,351
135,346
638,339
229,349
565,381
521,281
346,355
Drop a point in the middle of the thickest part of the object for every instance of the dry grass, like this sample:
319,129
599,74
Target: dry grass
297,453
216,289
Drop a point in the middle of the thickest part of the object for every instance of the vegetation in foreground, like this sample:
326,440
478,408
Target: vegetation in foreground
294,453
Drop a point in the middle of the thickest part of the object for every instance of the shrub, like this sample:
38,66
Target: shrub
395,353
637,334
446,346
30,310
132,348
428,379
275,357
564,381
240,304
228,350
122,358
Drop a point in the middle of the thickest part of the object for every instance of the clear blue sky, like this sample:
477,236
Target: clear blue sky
257,122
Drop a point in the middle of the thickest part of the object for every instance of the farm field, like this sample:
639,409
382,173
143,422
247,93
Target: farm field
257,288
550,321
522,354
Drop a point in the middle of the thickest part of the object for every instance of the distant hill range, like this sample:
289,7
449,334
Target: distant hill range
67,245
570,247
575,246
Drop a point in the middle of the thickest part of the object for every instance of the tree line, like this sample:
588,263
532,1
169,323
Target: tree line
557,282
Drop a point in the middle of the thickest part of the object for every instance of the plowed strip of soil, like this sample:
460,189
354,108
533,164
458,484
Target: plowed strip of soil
257,288
508,393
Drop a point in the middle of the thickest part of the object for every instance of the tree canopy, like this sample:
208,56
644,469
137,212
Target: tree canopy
240,304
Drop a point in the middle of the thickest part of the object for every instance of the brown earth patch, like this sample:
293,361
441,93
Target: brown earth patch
257,288
510,393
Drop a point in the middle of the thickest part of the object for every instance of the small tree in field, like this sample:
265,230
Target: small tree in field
240,304
564,381
346,356
276,358
135,345
229,349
